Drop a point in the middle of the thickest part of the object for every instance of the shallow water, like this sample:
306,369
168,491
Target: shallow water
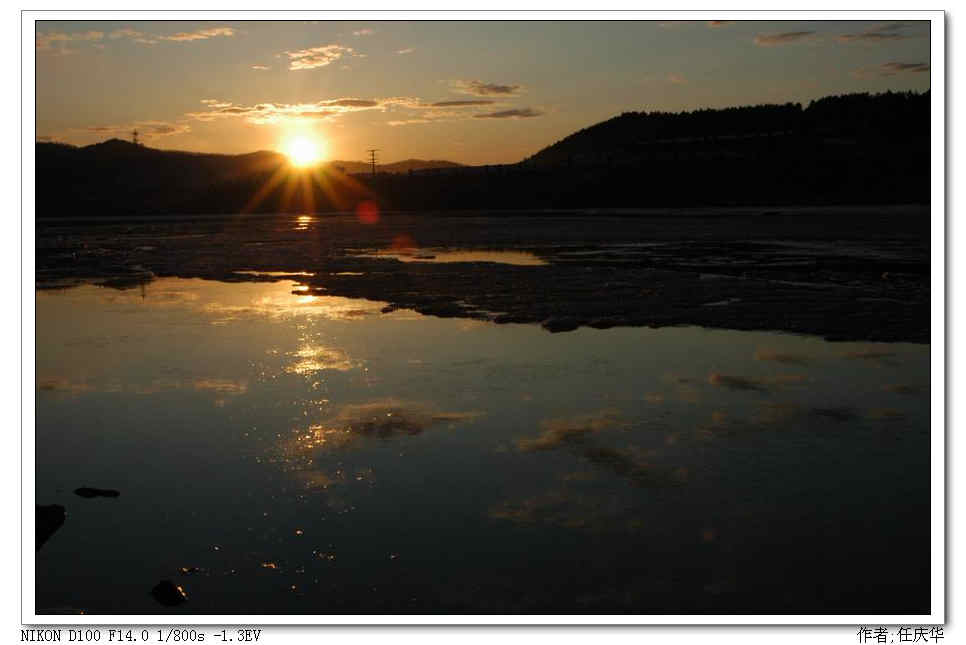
278,452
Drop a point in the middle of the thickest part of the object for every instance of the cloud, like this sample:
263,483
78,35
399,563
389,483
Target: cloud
878,34
266,113
519,113
788,37
134,36
201,34
479,88
125,33
45,42
871,36
260,67
466,103
891,69
316,56
146,129
719,23
677,79
363,32
403,52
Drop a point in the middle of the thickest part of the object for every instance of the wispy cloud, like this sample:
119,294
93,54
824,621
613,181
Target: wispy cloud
677,79
55,41
466,103
146,129
363,32
518,113
669,24
268,113
877,34
314,57
479,88
403,52
891,69
201,34
786,38
260,67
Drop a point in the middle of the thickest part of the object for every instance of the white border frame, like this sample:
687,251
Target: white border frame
937,350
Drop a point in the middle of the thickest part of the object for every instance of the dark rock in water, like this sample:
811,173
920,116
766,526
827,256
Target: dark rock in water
560,324
603,323
49,519
84,491
169,594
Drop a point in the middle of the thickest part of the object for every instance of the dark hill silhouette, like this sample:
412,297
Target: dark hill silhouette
395,167
856,148
854,119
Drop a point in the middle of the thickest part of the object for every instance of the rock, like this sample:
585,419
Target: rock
558,324
49,519
169,594
84,491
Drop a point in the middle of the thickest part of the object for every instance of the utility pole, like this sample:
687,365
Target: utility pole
134,136
372,159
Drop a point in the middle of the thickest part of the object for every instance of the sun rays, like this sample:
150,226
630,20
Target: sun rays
300,185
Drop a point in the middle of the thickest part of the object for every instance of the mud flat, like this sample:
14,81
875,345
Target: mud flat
856,273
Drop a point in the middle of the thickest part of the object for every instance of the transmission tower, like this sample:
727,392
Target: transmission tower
134,137
372,159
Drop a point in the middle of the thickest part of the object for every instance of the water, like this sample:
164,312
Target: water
283,453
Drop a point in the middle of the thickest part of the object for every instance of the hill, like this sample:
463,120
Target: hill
851,149
852,120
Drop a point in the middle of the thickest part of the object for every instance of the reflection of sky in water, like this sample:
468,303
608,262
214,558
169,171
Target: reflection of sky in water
394,462
520,258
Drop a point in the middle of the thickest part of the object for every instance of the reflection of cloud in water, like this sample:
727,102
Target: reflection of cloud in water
384,419
683,386
771,413
886,414
732,382
577,433
216,385
64,385
781,357
559,432
735,382
840,413
869,355
221,386
901,389
566,510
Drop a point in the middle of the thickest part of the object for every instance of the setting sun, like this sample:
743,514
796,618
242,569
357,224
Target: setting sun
302,151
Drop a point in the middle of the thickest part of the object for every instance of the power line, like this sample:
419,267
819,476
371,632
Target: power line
372,159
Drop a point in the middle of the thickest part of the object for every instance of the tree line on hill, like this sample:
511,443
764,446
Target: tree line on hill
856,148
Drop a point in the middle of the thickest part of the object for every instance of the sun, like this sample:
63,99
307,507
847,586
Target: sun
302,151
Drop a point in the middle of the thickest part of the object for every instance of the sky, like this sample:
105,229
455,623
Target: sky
471,92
